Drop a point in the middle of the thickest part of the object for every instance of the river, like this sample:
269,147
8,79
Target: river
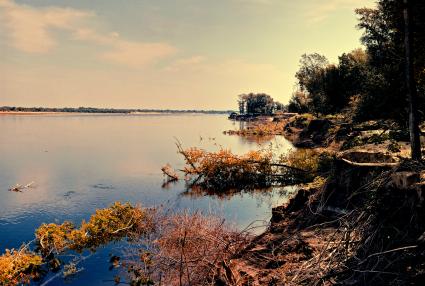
80,162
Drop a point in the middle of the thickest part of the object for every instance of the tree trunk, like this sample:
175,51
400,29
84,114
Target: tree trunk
411,84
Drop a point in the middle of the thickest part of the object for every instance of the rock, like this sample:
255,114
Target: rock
344,130
317,130
305,144
319,126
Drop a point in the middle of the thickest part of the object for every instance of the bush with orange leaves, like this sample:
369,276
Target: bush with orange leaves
224,170
104,226
18,267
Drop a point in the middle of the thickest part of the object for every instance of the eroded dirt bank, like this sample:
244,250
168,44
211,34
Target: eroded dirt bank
362,225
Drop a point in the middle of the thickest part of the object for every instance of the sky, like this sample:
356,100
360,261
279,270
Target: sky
178,54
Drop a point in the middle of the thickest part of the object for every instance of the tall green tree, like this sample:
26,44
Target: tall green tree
328,87
384,37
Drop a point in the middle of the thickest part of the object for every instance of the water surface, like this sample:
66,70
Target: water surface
80,163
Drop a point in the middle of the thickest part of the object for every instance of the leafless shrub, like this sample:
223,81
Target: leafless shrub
186,249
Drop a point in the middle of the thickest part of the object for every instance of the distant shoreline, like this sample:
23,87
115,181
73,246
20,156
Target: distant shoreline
72,111
21,113
28,113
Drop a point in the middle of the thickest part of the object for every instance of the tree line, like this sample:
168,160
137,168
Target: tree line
370,83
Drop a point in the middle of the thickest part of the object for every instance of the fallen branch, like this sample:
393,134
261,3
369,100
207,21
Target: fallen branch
282,165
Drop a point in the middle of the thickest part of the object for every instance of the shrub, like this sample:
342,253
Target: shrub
18,266
186,249
224,170
104,226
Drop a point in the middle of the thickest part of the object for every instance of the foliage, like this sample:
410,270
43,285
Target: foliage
383,32
310,66
225,170
375,77
298,102
18,266
257,103
306,159
104,226
310,160
327,88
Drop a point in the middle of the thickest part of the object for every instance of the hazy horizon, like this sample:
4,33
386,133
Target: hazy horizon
162,54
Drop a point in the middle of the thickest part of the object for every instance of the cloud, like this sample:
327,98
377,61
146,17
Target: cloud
120,51
32,30
320,10
185,63
137,54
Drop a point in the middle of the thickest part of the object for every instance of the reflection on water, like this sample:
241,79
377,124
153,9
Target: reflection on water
245,130
83,162
266,196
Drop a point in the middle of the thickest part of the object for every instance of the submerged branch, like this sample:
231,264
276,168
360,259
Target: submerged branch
223,170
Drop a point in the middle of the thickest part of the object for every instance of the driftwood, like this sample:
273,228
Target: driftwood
371,164
19,187
170,173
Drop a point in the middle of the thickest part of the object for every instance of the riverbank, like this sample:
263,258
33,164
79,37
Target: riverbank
362,225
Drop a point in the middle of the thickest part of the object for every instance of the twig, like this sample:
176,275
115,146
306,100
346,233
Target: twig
388,251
